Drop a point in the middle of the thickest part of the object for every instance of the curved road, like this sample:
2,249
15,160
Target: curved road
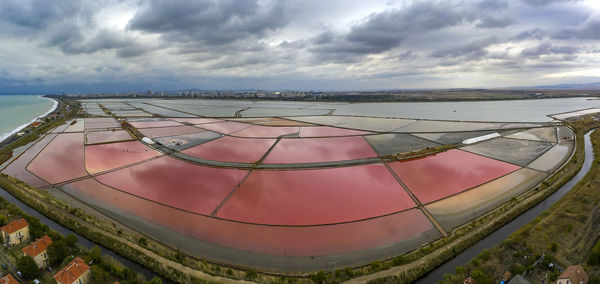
505,231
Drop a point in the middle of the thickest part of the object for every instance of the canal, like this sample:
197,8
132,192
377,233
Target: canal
505,231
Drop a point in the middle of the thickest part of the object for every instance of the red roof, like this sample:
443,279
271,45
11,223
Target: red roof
71,271
8,279
14,226
37,247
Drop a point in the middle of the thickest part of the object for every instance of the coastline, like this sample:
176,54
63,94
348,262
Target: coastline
21,127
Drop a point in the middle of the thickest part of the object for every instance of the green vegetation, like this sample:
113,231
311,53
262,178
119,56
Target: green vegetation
27,266
594,258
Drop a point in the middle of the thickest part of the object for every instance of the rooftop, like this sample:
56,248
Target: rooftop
14,226
71,271
37,247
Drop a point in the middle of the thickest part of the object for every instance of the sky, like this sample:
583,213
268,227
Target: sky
107,46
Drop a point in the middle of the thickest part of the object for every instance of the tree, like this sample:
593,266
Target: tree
96,254
155,280
99,275
57,252
71,240
3,220
36,228
28,267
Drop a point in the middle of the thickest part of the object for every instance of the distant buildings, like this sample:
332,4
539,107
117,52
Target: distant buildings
574,274
38,251
15,231
76,272
8,279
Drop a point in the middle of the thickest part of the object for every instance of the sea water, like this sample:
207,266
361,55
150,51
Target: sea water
18,111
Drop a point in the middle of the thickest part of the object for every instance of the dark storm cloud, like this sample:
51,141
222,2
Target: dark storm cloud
495,22
387,30
210,22
470,51
536,33
39,14
61,24
548,48
590,29
540,3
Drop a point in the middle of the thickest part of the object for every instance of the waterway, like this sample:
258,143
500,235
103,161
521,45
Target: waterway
148,274
505,231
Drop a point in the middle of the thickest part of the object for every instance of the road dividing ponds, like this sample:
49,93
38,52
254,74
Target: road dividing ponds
437,176
458,209
197,120
452,137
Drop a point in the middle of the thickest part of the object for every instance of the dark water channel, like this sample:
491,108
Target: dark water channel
501,234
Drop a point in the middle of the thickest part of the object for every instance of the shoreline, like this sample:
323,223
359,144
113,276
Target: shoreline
23,126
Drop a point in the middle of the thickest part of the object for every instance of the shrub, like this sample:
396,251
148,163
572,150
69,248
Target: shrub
143,241
480,277
71,240
251,274
319,277
27,266
594,258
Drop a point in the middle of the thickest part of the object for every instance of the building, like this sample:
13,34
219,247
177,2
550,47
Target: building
15,231
8,279
76,272
38,251
574,274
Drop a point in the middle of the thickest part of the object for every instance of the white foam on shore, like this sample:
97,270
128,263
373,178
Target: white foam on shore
21,127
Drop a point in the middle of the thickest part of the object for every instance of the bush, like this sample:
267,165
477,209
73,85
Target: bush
99,275
57,252
143,241
319,277
3,220
485,255
27,266
251,274
516,268
553,275
594,258
71,240
480,277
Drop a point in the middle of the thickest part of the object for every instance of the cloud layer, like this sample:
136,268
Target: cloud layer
84,46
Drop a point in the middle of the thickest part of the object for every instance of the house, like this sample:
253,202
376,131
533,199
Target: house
76,272
574,274
8,279
38,250
15,231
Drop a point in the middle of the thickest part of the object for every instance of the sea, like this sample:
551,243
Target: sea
18,111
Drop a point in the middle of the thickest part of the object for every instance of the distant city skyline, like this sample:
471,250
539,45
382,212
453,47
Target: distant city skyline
110,46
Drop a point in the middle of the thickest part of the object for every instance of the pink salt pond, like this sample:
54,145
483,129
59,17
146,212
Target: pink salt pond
232,149
121,154
437,176
154,123
61,160
322,196
176,183
225,127
315,150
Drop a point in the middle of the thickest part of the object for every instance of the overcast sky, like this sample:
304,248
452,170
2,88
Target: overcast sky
83,46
